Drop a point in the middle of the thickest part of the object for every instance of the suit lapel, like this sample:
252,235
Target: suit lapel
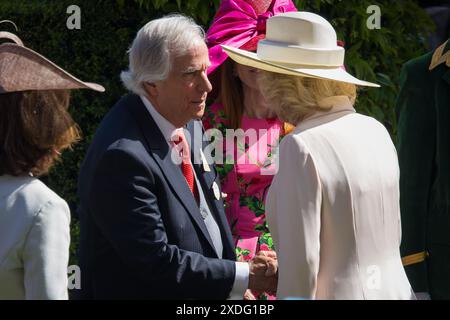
161,152
206,180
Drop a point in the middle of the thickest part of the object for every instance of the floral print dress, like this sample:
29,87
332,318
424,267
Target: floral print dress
246,180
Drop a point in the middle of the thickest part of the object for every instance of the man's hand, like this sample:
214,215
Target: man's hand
248,295
272,267
263,272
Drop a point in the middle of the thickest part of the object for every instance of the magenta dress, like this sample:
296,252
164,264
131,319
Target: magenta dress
247,180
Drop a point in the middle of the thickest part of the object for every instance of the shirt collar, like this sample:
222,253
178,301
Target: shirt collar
166,128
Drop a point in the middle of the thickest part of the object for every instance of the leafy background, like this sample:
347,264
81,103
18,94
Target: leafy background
97,53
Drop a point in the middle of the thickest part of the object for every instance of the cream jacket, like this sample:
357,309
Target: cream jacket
34,240
333,209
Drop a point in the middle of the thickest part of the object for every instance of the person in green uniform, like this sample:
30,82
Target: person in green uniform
423,113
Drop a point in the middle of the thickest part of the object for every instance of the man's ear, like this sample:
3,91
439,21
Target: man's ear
151,89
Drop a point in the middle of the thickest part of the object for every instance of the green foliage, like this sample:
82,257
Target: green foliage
376,55
201,11
97,53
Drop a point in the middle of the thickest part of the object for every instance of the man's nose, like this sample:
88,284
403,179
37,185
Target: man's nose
205,84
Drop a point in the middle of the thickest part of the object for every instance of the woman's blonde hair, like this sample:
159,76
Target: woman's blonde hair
293,98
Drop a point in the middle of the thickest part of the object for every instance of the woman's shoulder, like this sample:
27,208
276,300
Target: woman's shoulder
371,123
294,143
30,196
297,136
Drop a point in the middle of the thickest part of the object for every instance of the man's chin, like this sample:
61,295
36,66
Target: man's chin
200,114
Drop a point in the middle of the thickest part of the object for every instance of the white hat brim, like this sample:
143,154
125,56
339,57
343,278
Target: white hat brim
251,59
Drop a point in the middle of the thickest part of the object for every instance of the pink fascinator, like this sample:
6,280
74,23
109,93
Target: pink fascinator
241,24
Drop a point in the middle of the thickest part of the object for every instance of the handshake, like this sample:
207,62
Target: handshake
263,274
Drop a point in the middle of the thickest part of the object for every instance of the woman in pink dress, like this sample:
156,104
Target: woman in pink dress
239,104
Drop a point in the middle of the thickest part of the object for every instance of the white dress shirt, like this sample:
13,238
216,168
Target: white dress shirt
168,130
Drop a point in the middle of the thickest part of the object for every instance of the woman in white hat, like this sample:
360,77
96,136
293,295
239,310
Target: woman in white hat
334,203
35,127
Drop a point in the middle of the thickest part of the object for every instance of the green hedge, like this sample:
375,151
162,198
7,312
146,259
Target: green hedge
97,53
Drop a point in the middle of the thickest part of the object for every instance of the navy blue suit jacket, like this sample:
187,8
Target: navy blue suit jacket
141,232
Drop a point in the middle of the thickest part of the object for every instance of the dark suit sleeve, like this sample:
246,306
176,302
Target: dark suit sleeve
416,151
125,208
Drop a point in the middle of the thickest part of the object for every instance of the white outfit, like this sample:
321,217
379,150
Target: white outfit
333,209
34,240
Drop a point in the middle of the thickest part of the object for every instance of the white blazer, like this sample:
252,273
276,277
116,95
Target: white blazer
333,209
34,240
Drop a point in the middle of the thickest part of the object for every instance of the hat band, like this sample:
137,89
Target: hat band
281,52
11,36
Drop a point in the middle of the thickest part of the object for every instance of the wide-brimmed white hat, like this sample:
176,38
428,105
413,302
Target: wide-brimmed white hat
299,44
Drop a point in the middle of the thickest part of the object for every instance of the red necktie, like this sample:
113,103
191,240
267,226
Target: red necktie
186,166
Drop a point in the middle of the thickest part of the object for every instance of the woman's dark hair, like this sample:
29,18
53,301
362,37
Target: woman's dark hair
231,94
35,126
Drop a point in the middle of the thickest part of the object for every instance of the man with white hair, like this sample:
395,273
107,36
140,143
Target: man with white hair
152,224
